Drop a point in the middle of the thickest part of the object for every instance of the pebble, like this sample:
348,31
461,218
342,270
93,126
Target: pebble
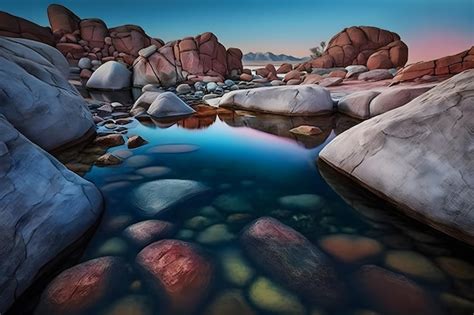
108,159
456,268
414,264
232,203
235,267
130,305
350,248
183,88
230,302
153,171
114,246
215,234
185,234
303,201
211,86
198,222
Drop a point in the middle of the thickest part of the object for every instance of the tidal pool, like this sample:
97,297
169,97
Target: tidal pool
237,168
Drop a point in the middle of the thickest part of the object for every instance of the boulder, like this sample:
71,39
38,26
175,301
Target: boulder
167,105
375,75
56,116
426,144
292,259
146,232
41,201
94,31
286,100
111,75
130,39
144,101
284,68
179,272
13,26
355,70
62,20
395,97
357,104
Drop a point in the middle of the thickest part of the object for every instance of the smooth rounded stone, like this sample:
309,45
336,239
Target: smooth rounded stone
131,305
235,267
123,154
199,94
198,222
210,96
421,236
185,234
210,212
138,161
152,88
112,140
286,100
167,104
113,247
110,126
146,232
239,218
81,287
211,86
456,268
230,302
350,248
160,195
229,83
232,203
174,148
395,97
393,294
270,297
180,272
303,201
199,86
375,75
357,104
153,171
414,264
106,108
84,63
327,82
219,90
135,142
183,88
107,188
457,305
112,75
290,258
215,234
277,83
355,69
108,159
147,51
306,130
324,71
116,104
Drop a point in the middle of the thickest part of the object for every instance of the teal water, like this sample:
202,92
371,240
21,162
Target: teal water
253,162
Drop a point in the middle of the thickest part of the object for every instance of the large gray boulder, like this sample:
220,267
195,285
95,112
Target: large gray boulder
357,104
419,156
298,100
36,97
112,75
395,97
44,208
168,105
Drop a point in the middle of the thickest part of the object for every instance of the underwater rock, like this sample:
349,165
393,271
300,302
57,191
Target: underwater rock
215,234
414,265
131,305
138,161
153,171
350,248
198,222
233,203
174,148
135,142
235,267
230,302
303,201
456,268
146,232
113,247
108,141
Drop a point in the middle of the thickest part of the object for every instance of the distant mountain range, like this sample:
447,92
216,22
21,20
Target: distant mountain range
270,57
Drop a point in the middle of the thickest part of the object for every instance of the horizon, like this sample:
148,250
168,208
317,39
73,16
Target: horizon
430,35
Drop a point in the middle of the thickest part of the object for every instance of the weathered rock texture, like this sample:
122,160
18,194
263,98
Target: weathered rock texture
362,45
419,156
36,97
448,65
200,58
44,209
13,26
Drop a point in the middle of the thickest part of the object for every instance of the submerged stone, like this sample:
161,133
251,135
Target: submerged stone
153,171
131,305
174,148
231,302
232,203
414,264
215,234
146,232
236,268
350,248
303,201
114,246
456,268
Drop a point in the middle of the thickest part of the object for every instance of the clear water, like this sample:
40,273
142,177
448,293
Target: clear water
257,161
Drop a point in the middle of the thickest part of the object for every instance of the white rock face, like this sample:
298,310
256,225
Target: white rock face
144,101
419,156
286,100
35,96
112,75
44,208
167,104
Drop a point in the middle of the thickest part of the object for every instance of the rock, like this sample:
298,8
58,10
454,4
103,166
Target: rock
357,104
135,142
230,302
139,161
327,82
406,136
215,234
81,287
306,130
246,77
145,232
233,203
456,305
270,297
34,191
153,171
292,75
131,305
287,100
179,271
147,51
289,257
107,159
229,83
114,247
84,63
354,70
277,83
211,87
183,89
395,97
152,88
142,104
363,45
157,196
302,202
391,293
167,104
128,40
173,148
337,74
375,75
312,79
85,74
112,75
293,82
284,68
350,248
14,26
111,140
62,20
414,265
235,267
37,73
456,268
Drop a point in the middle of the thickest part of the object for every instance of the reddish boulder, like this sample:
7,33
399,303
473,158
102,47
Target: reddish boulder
94,32
234,60
79,288
284,68
71,50
146,232
129,39
292,75
13,26
62,20
179,271
292,259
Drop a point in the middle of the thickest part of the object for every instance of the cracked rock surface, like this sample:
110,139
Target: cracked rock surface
419,156
44,208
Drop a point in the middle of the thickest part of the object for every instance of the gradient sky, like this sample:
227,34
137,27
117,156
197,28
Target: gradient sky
431,28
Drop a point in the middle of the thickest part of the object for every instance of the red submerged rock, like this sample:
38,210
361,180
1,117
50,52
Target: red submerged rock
13,26
392,293
62,20
284,68
179,271
289,257
79,288
146,232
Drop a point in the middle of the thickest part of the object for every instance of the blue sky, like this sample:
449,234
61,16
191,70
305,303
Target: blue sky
431,28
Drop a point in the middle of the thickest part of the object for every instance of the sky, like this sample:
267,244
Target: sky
431,28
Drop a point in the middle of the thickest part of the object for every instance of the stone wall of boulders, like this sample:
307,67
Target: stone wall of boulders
362,45
445,66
